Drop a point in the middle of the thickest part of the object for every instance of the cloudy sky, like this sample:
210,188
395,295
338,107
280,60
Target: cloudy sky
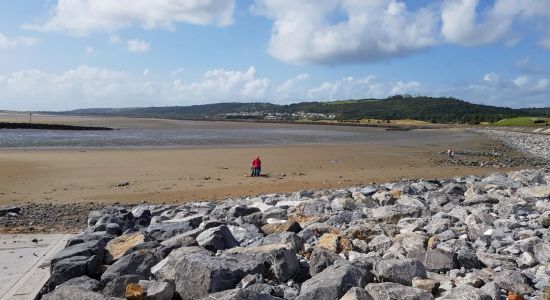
66,54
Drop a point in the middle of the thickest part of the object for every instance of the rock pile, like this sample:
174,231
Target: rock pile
467,238
535,145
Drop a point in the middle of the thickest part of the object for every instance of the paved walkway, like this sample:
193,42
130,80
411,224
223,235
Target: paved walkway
25,264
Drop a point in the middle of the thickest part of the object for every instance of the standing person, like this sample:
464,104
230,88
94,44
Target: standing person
256,167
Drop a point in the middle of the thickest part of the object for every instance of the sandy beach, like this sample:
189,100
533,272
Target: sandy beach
32,174
178,175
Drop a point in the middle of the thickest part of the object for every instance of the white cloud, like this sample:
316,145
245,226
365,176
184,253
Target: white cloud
360,88
81,17
312,31
521,91
6,42
114,39
465,25
350,31
223,85
138,46
87,86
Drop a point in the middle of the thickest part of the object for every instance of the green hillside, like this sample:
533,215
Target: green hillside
428,109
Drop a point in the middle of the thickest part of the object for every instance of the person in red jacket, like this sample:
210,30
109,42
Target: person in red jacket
256,167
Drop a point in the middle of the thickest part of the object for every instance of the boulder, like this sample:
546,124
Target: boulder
71,292
239,294
134,292
117,286
291,226
83,282
163,231
88,249
334,281
217,238
72,267
157,290
334,242
513,281
400,270
356,293
136,263
320,259
467,258
198,275
465,292
165,270
534,192
544,219
428,285
542,252
119,245
439,261
396,291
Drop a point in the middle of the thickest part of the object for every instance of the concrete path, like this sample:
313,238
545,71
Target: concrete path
25,264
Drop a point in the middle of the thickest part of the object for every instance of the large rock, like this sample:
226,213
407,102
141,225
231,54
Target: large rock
467,258
280,261
439,261
164,231
393,213
334,281
71,293
240,294
513,281
534,192
157,290
240,211
465,292
72,267
136,263
400,270
542,252
165,270
84,282
291,226
217,238
117,286
88,249
395,291
321,259
119,245
198,275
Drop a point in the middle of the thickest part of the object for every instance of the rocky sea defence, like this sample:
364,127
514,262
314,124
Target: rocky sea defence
536,146
473,237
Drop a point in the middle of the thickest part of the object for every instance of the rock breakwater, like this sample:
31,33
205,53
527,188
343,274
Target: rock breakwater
474,237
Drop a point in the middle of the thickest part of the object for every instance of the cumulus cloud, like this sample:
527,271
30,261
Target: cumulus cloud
495,89
223,85
6,42
359,88
313,31
138,46
350,31
81,17
87,86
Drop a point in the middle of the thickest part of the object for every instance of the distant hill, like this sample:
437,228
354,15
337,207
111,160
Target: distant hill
429,109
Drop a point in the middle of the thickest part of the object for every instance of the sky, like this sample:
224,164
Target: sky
69,54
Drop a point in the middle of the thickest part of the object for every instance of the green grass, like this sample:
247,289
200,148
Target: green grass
523,121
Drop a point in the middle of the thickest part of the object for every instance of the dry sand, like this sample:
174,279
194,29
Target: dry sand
178,175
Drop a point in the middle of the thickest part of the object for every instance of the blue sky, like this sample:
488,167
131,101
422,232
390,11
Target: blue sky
66,54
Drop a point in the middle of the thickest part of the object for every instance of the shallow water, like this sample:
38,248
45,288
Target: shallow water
200,134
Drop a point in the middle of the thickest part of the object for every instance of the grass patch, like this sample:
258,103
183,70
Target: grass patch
523,121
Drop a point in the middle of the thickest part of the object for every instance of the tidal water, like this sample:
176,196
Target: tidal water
200,134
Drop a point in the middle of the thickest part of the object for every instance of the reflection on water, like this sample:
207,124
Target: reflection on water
208,134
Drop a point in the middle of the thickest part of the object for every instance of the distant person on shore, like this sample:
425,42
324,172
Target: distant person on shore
450,153
256,167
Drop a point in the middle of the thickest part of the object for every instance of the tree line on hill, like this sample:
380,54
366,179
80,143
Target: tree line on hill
429,109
